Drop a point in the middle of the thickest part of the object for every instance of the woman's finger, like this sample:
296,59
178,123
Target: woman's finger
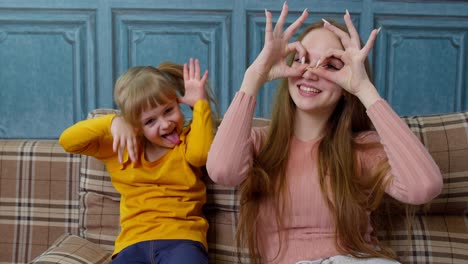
324,58
370,42
289,32
268,23
296,47
294,71
352,30
343,36
282,18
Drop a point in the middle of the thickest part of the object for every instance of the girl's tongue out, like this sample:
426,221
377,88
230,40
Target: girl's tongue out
172,137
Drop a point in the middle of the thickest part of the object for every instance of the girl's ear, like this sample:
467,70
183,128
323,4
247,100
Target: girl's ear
136,130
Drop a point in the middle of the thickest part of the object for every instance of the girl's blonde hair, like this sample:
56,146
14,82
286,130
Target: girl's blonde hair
337,168
144,87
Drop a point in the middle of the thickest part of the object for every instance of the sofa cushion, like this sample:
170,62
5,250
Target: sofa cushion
38,197
99,201
72,249
439,231
446,138
436,238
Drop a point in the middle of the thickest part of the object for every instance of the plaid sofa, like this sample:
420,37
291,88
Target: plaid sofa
57,207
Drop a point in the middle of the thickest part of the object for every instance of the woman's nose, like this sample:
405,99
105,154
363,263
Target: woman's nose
310,74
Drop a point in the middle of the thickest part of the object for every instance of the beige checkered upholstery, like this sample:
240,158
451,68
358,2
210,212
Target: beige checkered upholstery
38,197
45,193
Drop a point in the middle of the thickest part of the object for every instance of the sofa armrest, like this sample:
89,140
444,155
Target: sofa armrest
73,249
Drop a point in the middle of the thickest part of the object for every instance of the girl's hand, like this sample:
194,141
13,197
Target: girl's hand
194,86
352,76
124,137
271,64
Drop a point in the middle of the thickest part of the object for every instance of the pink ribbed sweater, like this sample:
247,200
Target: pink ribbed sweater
310,229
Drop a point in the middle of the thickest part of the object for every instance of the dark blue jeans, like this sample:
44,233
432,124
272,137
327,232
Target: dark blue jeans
163,252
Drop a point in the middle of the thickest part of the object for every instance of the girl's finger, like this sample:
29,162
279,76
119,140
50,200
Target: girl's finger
289,32
282,18
352,30
205,77
370,42
135,149
130,148
115,144
121,150
191,71
343,36
186,74
197,69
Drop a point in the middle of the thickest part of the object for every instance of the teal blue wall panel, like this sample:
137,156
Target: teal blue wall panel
153,36
46,71
421,66
60,59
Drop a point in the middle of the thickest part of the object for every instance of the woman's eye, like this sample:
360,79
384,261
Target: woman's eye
333,64
300,61
331,67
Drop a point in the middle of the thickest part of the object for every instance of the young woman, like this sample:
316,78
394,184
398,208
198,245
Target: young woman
310,180
162,194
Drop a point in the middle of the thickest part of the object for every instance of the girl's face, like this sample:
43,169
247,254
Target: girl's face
163,124
309,92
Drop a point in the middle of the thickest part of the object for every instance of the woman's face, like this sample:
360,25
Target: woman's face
309,92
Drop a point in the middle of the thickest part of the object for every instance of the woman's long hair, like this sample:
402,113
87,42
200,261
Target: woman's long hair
348,197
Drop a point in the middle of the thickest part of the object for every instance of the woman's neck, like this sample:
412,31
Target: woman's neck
309,126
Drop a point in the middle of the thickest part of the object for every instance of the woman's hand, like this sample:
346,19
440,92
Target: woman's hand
124,137
352,76
194,85
271,64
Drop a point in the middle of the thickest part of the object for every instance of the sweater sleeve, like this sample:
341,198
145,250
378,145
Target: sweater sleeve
90,137
201,135
416,178
232,151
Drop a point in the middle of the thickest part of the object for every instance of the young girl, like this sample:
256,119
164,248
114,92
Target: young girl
158,178
309,181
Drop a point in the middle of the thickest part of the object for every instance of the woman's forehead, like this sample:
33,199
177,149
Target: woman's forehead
321,38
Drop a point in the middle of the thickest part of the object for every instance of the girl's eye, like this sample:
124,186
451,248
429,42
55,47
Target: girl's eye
149,122
168,110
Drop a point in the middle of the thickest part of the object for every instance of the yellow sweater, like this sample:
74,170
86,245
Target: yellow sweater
161,199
